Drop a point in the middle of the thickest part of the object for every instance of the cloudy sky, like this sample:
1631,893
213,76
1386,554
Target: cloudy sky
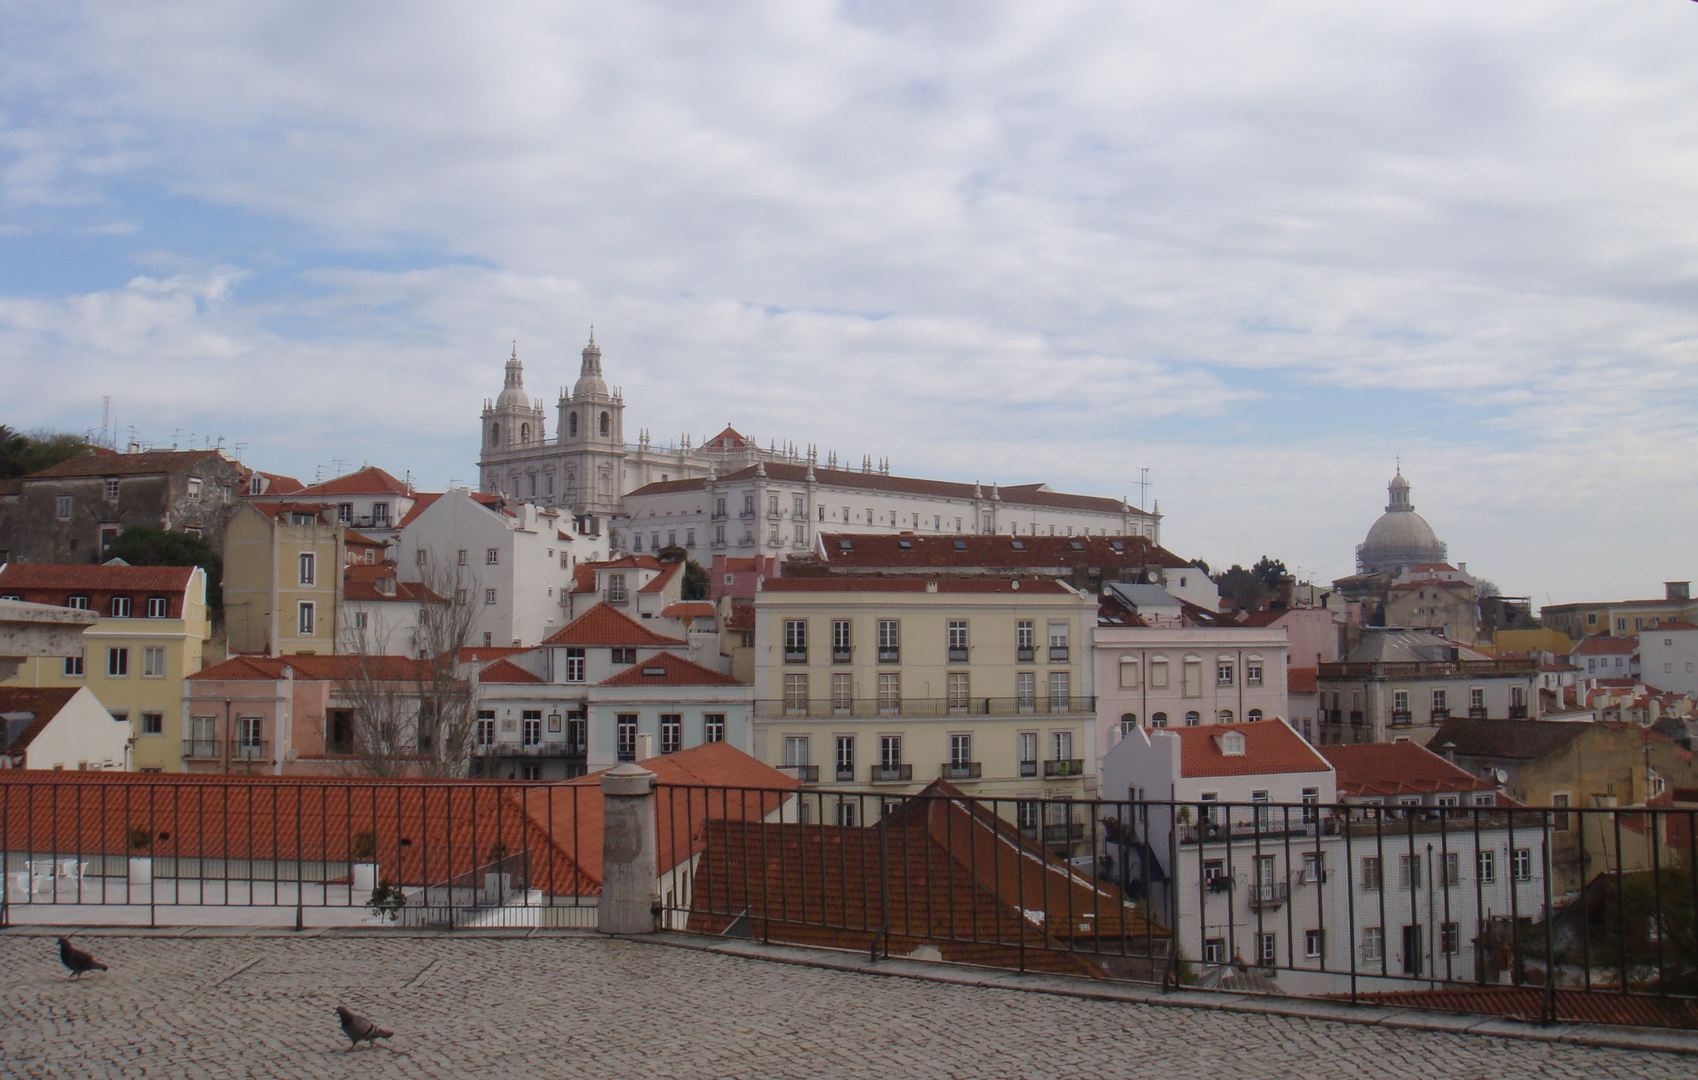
1259,249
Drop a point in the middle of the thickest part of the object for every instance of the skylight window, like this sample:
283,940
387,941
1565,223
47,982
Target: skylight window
1019,545
844,545
1119,548
1076,545
960,545
905,545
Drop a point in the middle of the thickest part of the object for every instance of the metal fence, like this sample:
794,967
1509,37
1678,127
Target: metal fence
1546,912
128,849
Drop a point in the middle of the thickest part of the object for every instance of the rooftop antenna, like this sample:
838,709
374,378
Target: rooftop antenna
106,420
1144,483
341,465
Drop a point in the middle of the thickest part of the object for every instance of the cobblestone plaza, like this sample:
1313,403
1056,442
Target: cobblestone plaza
239,1004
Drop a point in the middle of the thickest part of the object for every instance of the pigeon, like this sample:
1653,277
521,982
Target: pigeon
78,961
358,1028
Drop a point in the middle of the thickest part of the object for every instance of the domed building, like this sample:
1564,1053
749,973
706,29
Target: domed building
1401,538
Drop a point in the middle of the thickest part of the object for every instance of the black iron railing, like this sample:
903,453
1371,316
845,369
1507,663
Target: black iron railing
825,708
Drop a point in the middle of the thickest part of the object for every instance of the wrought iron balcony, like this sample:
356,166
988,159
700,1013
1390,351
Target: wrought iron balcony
795,656
807,774
957,655
961,770
1268,895
889,656
200,749
1058,653
842,655
1401,718
250,750
1440,715
1025,653
1518,712
826,708
844,774
1028,768
1477,712
892,774
1064,767
534,750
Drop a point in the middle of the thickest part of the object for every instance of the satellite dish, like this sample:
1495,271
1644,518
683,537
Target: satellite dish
291,754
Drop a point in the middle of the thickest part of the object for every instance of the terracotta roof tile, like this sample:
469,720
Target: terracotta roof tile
1302,680
1367,769
328,668
96,578
370,480
605,625
1605,646
1270,746
665,669
1059,553
506,671
689,609
659,581
45,703
143,464
917,584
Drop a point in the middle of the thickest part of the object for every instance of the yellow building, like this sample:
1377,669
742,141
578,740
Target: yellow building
886,684
282,578
150,637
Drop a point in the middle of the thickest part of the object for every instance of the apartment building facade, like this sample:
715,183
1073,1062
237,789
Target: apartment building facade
282,578
1399,684
886,684
151,635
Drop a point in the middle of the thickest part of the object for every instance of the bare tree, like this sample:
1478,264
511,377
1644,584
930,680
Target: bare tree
413,715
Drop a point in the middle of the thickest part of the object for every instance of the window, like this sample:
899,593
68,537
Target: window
1192,719
111,489
1521,864
889,691
305,618
153,723
846,814
795,641
796,693
64,508
1158,720
1267,954
890,751
1408,872
1224,716
1477,697
74,664
1128,673
1193,677
1024,638
623,656
1158,673
1488,863
120,607
1450,938
889,641
1128,723
1400,701
845,757
1026,690
250,731
1253,671
842,692
153,662
960,750
1314,943
958,690
1314,868
117,662
380,515
957,640
672,733
574,665
1058,641
1452,868
713,727
492,557
1311,805
1223,672
1439,701
1373,943
489,596
1061,745
1370,873
689,538
626,736
421,557
1559,819
1214,951
158,607
1060,691
532,734
1253,716
1027,751
841,639
616,588
79,603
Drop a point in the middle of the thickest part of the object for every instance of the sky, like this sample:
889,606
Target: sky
1262,250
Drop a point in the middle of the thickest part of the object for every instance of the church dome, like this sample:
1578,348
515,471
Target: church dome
1400,538
513,392
590,383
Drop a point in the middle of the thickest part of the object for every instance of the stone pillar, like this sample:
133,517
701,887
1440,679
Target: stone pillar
628,865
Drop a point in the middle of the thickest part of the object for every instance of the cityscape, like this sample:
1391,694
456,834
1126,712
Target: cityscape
1010,637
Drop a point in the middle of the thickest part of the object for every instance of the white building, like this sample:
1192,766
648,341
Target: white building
1409,886
60,728
605,689
516,564
1668,656
1184,676
772,499
367,499
379,614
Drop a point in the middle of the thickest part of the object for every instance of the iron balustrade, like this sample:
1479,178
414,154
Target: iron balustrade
807,774
962,770
825,708
890,774
540,749
1025,655
1064,767
200,749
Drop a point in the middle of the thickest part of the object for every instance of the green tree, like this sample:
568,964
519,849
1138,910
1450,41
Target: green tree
22,454
144,545
1269,572
1243,587
695,583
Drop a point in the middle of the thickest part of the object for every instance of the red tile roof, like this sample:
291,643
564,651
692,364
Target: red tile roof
491,652
421,502
604,625
410,591
689,609
43,703
152,462
506,671
916,584
583,578
278,484
729,439
1404,768
1605,646
659,582
1017,495
1674,624
357,539
96,578
975,551
331,668
1526,1003
1302,680
1270,746
665,669
370,480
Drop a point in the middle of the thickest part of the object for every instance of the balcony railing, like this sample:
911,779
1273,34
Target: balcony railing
1025,653
892,774
795,656
1268,895
1440,715
961,770
1401,718
1477,712
844,774
889,655
807,774
1357,718
535,750
1058,653
200,749
957,655
1518,712
250,751
826,708
1028,768
1062,767
842,655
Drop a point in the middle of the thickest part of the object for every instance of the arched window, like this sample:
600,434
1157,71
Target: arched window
533,480
548,483
604,423
1158,719
1224,716
524,434
1128,721
1254,715
1193,719
572,424
495,434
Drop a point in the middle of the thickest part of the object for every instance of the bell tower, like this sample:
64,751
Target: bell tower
512,424
591,434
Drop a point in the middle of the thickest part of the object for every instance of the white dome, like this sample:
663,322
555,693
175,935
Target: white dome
589,382
513,393
1400,538
1400,529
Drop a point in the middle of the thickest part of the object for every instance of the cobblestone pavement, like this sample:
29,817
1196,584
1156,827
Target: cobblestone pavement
215,1007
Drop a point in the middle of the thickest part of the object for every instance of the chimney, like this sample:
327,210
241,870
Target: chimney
645,745
1677,590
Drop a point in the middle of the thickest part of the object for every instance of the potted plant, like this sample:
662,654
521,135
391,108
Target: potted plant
365,862
386,901
141,865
